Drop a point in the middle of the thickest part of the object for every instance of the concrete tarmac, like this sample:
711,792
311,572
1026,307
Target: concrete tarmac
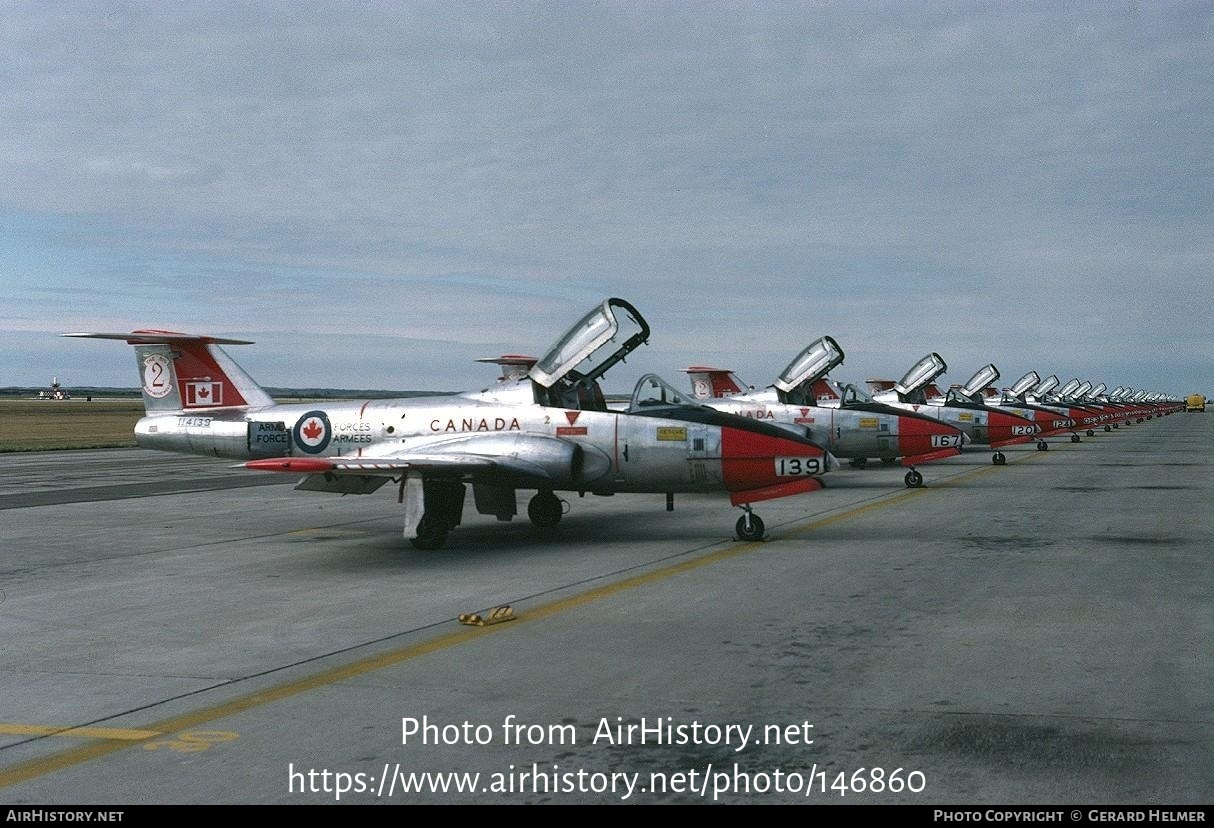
175,631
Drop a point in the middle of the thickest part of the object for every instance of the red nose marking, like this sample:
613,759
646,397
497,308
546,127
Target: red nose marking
1008,429
921,441
748,459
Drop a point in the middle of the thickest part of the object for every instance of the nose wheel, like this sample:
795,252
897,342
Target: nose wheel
749,527
999,459
1092,433
1075,438
913,479
1042,445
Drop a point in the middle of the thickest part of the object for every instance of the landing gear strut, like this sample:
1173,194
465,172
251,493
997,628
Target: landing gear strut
431,533
545,510
913,479
750,526
444,506
999,459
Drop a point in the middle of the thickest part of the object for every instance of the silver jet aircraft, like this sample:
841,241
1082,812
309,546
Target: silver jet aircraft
547,430
981,425
979,389
798,400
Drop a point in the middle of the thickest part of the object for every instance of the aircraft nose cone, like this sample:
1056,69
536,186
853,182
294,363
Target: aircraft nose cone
1050,422
752,460
1009,429
925,439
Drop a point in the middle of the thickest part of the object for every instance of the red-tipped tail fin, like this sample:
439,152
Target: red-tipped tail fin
184,372
710,383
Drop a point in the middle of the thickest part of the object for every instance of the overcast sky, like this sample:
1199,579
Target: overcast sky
380,193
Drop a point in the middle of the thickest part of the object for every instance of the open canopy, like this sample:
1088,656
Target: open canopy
923,372
1025,383
585,352
980,380
813,363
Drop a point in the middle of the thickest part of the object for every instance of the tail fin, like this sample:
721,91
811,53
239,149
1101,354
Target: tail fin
825,392
709,383
183,372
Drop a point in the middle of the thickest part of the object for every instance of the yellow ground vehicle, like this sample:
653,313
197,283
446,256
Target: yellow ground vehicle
1195,402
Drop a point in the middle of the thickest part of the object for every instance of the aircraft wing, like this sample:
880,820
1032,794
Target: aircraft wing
519,459
436,464
381,466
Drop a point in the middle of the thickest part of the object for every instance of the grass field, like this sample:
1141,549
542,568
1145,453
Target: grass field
33,425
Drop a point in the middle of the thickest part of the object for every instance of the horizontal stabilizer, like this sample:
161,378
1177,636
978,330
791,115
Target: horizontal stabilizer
150,337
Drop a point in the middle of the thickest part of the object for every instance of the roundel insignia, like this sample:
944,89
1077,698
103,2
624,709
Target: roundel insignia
702,389
312,432
157,371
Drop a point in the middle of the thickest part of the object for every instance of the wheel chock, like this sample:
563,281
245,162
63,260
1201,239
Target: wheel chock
495,615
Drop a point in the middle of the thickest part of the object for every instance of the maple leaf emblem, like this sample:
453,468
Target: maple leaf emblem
312,429
204,392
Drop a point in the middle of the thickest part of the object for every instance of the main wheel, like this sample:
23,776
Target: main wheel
999,459
1042,445
1092,433
431,534
913,479
545,510
1075,438
749,527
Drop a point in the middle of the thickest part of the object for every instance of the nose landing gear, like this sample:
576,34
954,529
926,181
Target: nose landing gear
750,526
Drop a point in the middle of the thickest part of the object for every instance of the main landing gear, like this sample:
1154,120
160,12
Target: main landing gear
750,526
1042,445
1075,438
999,459
545,510
913,479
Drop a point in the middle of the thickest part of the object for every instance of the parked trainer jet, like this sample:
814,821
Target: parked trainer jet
547,430
981,425
979,389
803,399
1085,416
